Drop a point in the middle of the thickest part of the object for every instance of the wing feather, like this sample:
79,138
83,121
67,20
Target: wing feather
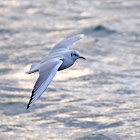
47,72
66,43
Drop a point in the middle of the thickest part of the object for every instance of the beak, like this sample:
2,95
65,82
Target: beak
82,57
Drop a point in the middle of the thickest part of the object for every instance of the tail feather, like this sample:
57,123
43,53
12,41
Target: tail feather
34,67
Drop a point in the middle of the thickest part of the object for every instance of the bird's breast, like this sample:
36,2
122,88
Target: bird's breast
66,64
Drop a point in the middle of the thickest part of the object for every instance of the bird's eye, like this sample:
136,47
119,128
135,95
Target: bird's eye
71,54
75,54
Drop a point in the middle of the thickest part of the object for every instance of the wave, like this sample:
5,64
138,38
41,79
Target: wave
99,31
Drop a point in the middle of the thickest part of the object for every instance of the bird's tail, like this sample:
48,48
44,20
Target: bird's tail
34,67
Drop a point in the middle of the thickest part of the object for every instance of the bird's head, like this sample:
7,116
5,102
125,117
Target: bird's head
76,55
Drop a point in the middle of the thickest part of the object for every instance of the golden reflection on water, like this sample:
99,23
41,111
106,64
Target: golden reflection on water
12,3
27,80
72,73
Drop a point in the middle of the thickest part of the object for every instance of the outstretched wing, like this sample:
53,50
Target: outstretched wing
47,72
66,43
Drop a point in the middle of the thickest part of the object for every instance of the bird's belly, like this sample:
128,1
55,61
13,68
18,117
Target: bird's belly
65,65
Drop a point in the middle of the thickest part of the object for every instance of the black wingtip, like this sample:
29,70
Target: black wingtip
27,106
30,100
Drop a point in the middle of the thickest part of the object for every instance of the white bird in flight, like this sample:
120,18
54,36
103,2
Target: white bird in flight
59,58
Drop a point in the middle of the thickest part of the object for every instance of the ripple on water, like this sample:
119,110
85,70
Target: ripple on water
99,31
94,137
13,108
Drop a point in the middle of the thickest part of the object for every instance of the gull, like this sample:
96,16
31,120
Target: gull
59,58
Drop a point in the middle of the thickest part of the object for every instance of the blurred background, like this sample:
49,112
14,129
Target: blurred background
96,99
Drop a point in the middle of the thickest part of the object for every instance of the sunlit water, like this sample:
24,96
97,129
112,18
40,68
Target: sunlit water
96,99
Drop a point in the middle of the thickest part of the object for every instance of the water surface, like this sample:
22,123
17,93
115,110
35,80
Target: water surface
96,99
